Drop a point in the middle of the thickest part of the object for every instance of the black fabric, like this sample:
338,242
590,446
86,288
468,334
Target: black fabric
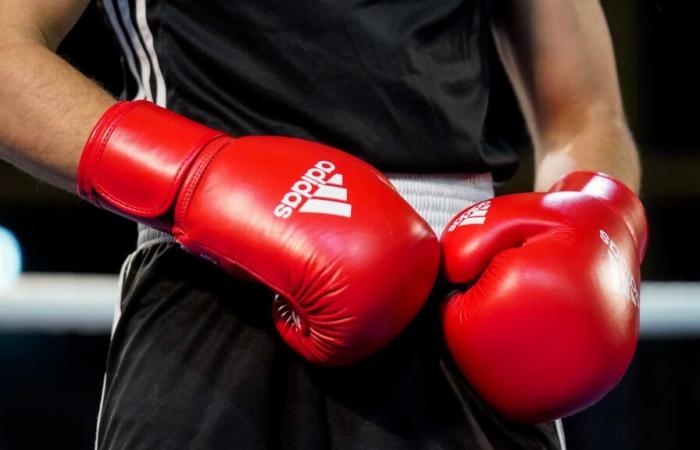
195,363
401,83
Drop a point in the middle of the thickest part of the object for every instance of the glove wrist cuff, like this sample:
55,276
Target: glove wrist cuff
616,194
136,159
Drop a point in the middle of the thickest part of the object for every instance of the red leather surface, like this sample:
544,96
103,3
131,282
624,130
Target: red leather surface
351,261
548,319
140,184
616,195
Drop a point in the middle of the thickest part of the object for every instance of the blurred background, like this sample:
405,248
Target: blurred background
54,327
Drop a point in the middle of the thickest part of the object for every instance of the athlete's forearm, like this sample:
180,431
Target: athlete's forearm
559,57
47,109
604,144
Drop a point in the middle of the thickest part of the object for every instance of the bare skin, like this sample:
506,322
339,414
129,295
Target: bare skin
559,57
47,108
557,53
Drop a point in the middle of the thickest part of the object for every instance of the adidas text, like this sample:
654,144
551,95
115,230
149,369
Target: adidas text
319,191
476,215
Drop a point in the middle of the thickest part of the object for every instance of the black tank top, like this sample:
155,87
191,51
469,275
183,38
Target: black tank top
402,84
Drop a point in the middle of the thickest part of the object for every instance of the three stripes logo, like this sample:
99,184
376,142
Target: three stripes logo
621,278
476,215
318,191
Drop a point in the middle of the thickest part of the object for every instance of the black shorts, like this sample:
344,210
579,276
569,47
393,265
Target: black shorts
196,363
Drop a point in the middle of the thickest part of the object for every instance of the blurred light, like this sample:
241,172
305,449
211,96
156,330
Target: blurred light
10,259
60,302
69,302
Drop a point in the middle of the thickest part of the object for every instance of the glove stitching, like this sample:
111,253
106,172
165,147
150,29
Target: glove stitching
97,150
176,180
208,157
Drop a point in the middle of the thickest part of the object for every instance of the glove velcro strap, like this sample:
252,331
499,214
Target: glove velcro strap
617,195
136,159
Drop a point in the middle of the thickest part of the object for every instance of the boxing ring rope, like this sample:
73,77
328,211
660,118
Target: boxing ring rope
58,303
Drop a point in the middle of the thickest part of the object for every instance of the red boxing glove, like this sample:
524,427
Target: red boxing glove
551,323
350,260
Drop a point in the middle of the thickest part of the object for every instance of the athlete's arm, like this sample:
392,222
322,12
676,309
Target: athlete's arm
47,108
559,57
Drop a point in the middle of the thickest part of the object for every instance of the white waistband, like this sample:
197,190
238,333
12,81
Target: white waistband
437,198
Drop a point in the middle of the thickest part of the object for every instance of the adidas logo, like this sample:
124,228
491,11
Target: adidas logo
476,215
621,276
318,191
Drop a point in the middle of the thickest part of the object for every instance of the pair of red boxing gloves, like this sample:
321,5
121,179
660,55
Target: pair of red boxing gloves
548,325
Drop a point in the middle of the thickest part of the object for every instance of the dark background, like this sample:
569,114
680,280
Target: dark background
50,384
